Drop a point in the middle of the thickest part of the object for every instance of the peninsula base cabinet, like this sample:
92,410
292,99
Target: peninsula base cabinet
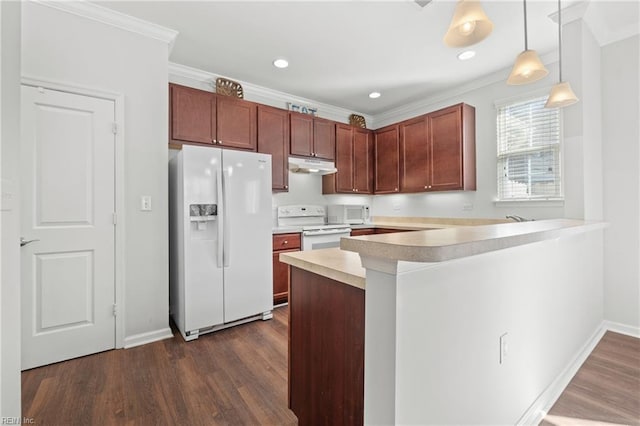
326,350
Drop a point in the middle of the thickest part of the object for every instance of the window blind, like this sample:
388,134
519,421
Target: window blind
529,151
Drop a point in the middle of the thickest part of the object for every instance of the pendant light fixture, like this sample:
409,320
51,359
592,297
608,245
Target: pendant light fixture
561,94
528,67
469,25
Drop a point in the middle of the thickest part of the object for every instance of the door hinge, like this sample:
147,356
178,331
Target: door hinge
114,128
115,218
115,310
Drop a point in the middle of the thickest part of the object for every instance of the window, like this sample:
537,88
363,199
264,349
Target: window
529,151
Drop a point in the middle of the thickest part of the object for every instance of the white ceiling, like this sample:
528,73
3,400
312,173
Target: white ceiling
340,51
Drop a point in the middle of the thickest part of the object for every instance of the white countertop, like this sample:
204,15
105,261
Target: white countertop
435,245
455,242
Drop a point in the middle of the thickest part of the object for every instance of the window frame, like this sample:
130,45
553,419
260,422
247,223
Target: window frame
541,200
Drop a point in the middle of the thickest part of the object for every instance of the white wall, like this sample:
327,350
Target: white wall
449,317
9,227
621,162
67,48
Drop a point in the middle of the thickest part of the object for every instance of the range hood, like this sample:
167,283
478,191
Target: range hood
311,165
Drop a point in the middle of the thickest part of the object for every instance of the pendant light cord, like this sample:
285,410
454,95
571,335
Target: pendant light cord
526,44
559,42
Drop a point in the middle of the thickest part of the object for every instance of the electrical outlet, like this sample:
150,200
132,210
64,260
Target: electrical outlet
504,348
145,203
467,207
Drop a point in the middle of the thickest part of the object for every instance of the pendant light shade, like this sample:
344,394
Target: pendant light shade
528,67
469,25
561,94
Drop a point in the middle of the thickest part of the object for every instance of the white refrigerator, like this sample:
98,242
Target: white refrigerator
220,239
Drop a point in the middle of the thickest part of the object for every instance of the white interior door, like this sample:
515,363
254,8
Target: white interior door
68,191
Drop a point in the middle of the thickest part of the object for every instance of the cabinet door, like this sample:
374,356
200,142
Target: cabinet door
362,160
281,278
273,138
344,158
414,155
386,160
193,115
301,126
236,123
324,139
445,128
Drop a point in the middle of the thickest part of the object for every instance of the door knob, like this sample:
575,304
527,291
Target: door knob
24,242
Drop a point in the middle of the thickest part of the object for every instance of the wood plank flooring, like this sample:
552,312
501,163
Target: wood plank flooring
231,377
239,376
606,389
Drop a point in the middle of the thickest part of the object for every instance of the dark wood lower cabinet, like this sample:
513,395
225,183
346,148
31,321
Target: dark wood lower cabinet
326,350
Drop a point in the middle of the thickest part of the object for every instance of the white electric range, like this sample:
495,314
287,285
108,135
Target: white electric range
316,234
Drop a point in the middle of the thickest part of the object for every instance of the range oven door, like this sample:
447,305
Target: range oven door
312,240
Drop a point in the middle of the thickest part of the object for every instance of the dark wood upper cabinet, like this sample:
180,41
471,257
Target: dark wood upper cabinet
344,159
273,138
312,136
301,126
198,116
387,159
453,151
236,123
415,155
354,161
324,139
363,160
192,115
437,151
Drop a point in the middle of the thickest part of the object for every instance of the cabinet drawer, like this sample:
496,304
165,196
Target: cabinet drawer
286,241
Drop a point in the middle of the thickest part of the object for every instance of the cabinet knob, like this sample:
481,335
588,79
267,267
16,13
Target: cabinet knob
395,189
214,141
429,186
220,142
313,154
285,242
286,187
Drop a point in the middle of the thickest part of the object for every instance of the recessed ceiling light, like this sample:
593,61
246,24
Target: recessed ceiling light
467,54
280,63
374,95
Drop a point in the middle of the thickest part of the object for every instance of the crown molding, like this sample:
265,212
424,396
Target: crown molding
603,31
417,108
113,18
571,13
205,80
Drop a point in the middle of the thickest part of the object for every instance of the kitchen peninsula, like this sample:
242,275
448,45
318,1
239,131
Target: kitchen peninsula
464,324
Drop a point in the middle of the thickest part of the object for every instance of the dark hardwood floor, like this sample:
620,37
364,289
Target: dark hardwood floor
239,376
606,389
231,377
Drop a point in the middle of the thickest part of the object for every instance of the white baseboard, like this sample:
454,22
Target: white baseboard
545,401
149,337
617,327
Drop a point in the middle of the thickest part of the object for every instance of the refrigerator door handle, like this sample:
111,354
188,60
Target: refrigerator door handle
227,222
221,218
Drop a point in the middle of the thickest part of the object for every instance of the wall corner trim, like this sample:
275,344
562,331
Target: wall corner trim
148,337
116,19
